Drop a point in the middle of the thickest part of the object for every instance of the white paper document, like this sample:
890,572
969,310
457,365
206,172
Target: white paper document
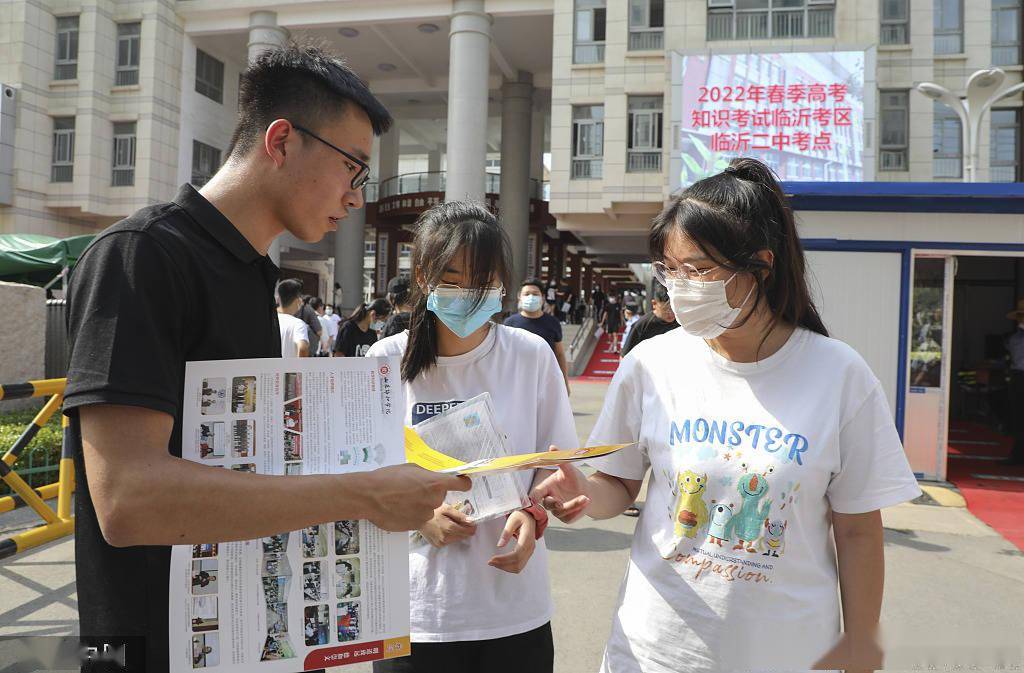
332,594
469,432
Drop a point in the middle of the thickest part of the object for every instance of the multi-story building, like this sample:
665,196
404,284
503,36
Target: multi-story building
117,102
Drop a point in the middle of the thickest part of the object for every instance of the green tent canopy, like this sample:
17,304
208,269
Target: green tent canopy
36,259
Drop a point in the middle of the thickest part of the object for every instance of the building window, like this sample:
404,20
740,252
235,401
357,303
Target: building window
588,38
62,168
67,48
895,130
129,36
209,76
947,148
205,162
646,25
1006,27
767,19
1004,146
895,27
369,248
124,154
949,27
643,153
587,141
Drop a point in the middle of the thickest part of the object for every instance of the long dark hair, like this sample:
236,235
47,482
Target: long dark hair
380,307
730,217
442,233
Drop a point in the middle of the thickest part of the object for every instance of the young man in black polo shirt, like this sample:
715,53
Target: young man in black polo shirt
533,318
658,321
149,294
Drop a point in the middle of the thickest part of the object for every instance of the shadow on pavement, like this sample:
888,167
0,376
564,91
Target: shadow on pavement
908,538
586,539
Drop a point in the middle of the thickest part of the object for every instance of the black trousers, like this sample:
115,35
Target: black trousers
530,652
1016,400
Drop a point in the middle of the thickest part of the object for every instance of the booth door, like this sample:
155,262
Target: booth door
858,296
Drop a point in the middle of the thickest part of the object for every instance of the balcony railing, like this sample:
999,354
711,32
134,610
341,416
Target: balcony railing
62,172
370,192
949,43
587,168
646,40
1002,173
417,183
643,161
893,160
947,167
894,33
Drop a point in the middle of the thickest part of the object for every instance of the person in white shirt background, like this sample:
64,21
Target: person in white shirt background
326,325
765,440
294,332
477,602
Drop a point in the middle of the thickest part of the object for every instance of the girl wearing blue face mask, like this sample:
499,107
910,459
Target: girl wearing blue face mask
479,593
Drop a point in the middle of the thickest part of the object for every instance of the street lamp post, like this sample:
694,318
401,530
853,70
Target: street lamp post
984,89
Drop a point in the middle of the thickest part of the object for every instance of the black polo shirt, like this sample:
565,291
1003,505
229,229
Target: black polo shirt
173,282
546,326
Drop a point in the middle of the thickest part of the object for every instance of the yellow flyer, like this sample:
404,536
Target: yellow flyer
417,451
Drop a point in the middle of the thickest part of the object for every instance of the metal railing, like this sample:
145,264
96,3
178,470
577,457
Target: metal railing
646,40
436,181
778,23
586,329
57,523
587,168
951,42
1002,173
894,33
893,160
1006,54
62,172
127,76
947,167
643,161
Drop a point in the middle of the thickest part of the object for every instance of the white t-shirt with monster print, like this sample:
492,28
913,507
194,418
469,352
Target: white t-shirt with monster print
732,565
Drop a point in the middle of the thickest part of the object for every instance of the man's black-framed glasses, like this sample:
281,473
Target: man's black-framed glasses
361,177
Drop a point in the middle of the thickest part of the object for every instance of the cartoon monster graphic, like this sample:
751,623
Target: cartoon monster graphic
721,514
691,514
746,525
774,541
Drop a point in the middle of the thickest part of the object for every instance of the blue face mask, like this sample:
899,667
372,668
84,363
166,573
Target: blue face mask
531,303
454,307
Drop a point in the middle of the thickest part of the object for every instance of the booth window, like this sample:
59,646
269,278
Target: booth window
1006,28
895,130
124,154
1004,146
587,141
209,76
949,27
895,25
66,66
643,154
765,19
62,168
947,143
589,33
646,25
205,162
129,37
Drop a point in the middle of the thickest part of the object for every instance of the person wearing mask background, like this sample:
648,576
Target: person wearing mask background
333,320
612,322
658,321
629,318
294,332
771,450
398,297
1015,346
532,318
480,595
359,331
324,345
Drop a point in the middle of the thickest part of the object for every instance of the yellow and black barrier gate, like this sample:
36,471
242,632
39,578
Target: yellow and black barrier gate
56,524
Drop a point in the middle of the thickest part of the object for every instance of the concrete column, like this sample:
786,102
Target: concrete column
537,146
469,61
264,34
516,108
434,168
348,259
390,148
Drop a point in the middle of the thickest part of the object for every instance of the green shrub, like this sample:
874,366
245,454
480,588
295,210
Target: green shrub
44,449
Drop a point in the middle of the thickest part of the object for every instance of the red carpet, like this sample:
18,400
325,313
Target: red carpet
994,491
602,365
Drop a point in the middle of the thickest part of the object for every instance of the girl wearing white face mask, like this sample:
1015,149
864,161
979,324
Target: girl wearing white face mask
479,599
765,440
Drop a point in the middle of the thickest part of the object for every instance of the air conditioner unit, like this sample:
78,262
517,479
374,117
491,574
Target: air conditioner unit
8,99
721,4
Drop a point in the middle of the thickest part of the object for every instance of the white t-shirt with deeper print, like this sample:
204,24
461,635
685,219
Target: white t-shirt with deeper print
455,595
732,565
293,331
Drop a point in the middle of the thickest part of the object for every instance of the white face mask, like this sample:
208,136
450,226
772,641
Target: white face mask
328,310
702,308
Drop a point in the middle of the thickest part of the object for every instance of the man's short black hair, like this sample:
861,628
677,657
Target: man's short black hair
398,290
288,290
303,84
534,282
317,303
660,293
